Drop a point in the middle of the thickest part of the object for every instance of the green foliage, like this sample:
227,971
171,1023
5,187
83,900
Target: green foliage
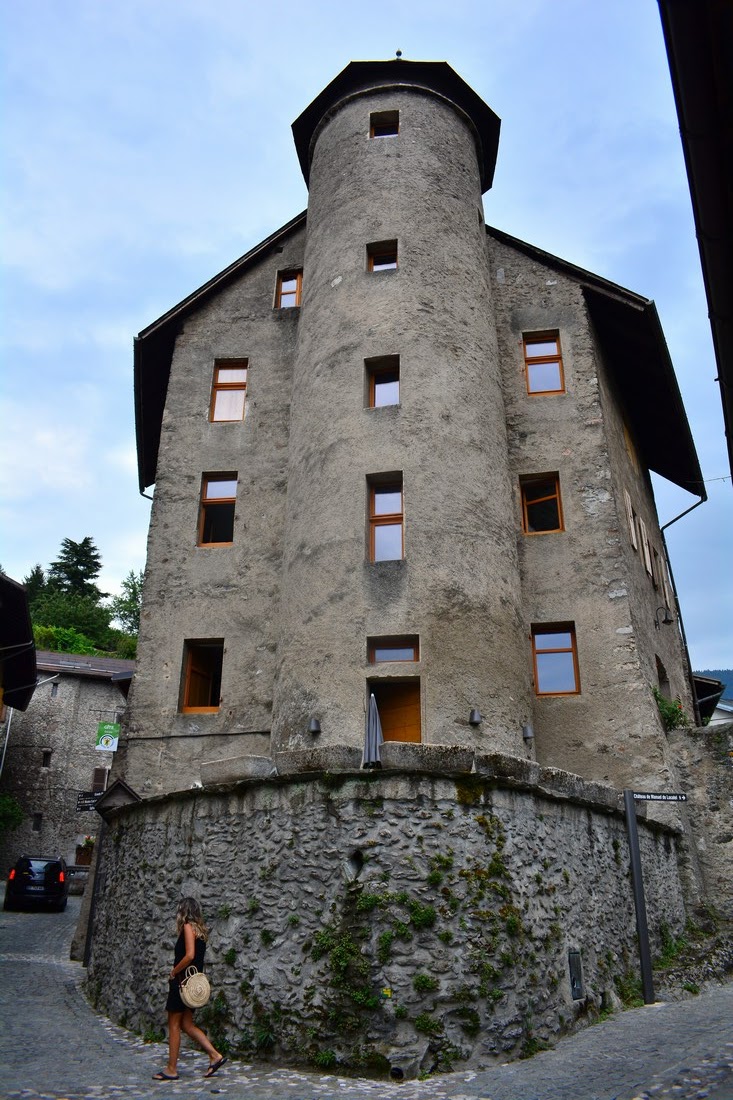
125,608
76,569
427,1025
11,813
324,1059
424,983
59,639
629,990
384,946
230,956
671,947
422,916
671,712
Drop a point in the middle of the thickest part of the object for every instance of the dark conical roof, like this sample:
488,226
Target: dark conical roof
434,76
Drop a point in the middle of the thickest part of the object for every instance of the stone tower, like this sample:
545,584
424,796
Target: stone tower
396,283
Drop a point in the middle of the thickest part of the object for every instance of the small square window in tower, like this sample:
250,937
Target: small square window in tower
555,659
229,390
383,124
543,363
382,256
386,520
383,381
289,287
541,504
398,703
216,514
202,667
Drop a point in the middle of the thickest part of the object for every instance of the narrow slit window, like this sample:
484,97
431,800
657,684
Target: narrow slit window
405,648
384,124
541,504
99,780
218,500
229,390
555,659
543,364
46,758
202,668
386,521
289,288
382,256
383,381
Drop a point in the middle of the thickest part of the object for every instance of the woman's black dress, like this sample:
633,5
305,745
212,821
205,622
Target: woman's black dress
174,1002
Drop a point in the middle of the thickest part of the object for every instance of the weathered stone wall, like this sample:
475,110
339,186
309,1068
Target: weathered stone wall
382,921
62,722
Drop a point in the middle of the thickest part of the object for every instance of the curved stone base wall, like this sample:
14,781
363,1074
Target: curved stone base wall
381,922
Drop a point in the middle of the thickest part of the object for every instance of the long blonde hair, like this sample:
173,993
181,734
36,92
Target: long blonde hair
189,912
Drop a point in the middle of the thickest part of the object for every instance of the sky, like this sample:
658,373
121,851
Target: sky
146,144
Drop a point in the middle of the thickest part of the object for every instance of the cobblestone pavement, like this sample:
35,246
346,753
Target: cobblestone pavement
53,1046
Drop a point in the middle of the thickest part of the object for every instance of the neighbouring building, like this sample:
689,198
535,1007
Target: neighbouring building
51,755
400,454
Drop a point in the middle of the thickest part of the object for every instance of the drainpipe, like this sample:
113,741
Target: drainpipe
695,704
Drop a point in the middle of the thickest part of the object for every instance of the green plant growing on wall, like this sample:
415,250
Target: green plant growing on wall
671,712
230,956
424,983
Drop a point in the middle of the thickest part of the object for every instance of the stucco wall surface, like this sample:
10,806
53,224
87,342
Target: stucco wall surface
380,922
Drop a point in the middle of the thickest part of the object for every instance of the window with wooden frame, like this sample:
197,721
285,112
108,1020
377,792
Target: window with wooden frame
403,648
386,520
229,390
99,780
289,288
216,513
555,656
202,666
398,703
541,504
631,519
543,363
646,552
384,124
382,256
383,381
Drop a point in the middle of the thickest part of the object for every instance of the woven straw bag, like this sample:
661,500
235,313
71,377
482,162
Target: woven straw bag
195,989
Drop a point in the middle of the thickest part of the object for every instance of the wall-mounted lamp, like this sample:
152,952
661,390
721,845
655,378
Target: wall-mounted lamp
527,732
474,718
667,617
314,726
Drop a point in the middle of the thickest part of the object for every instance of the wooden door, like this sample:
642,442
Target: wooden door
399,709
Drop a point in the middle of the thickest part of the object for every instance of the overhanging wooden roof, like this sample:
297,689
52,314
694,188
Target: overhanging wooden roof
17,648
636,354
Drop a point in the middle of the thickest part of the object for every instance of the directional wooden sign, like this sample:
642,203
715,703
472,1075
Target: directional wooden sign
655,796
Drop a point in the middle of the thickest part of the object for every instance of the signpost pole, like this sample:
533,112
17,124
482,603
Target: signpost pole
642,930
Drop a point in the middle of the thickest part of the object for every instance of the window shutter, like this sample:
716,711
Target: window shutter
630,519
645,547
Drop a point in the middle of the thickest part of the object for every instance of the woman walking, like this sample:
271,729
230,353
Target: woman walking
189,951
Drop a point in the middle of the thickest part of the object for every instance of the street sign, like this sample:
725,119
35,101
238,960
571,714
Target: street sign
85,800
652,796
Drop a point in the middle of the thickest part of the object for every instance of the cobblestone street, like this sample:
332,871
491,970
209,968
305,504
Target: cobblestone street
53,1045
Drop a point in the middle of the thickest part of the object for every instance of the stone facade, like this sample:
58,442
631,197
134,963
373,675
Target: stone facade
294,597
51,755
384,922
423,915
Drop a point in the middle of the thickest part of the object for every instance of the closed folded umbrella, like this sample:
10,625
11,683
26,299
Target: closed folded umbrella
372,736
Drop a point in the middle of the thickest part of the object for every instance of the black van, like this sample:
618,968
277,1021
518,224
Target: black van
37,881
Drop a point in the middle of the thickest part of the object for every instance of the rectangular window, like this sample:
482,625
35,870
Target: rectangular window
382,256
384,124
541,504
383,381
37,822
543,363
555,659
46,759
398,703
216,518
54,690
99,780
645,549
202,665
404,648
229,390
386,521
289,287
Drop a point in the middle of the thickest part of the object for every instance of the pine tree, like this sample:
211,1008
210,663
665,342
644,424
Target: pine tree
34,583
77,568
